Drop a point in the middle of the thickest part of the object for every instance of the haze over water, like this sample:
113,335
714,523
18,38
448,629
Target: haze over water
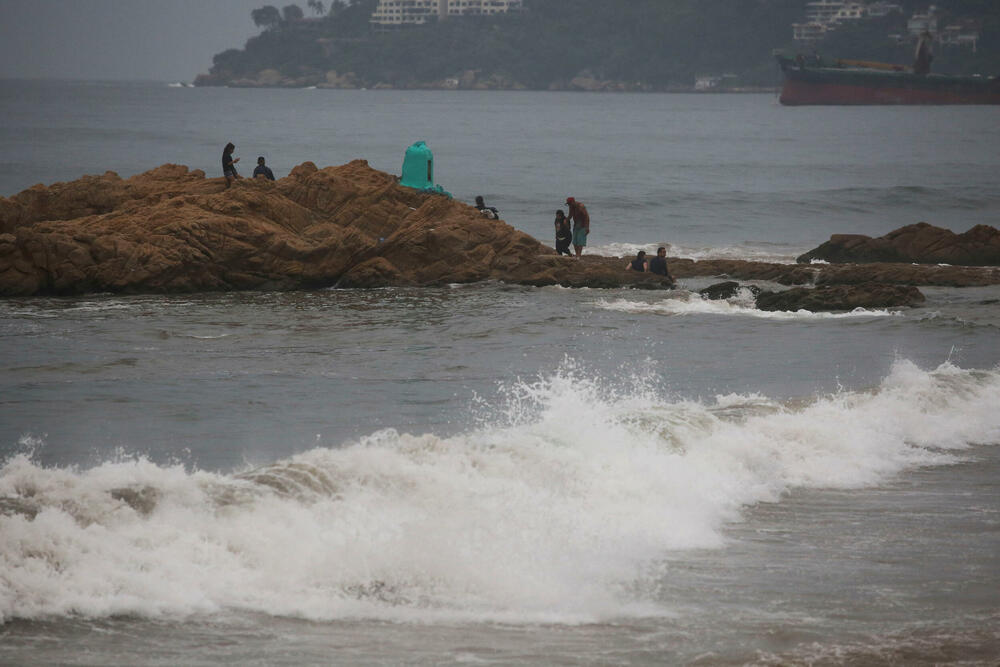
500,474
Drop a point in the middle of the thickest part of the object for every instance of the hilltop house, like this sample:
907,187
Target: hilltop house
823,16
416,12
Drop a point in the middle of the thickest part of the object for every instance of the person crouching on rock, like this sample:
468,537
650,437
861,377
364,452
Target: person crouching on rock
639,263
262,170
581,224
229,164
564,234
488,211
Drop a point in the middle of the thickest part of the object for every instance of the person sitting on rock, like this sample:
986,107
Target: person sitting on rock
564,234
639,263
658,264
262,170
488,211
229,164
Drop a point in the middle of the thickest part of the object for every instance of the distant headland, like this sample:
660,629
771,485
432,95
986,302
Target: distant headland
584,45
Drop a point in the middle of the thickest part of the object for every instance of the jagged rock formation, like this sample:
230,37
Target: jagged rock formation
173,230
921,243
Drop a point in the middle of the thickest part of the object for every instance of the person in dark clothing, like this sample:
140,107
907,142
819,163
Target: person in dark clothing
488,211
564,234
229,164
262,170
639,263
658,264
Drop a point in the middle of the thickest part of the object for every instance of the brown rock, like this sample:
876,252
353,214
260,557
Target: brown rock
173,230
921,243
840,297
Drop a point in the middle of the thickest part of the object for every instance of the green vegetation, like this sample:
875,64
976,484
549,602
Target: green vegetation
643,44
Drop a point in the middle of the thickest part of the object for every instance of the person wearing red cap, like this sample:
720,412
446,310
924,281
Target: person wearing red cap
581,224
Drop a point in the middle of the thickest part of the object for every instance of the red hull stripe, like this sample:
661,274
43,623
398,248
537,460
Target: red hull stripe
797,93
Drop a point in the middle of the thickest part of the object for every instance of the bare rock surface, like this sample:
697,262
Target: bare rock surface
173,230
921,243
840,297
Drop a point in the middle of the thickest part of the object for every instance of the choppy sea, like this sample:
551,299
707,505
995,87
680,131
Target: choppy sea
503,475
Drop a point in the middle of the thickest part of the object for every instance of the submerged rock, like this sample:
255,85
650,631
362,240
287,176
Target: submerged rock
726,290
921,243
840,297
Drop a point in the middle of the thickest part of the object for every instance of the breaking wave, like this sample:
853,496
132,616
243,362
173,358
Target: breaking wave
558,507
742,305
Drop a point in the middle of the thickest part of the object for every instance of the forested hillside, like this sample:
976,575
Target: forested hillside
565,44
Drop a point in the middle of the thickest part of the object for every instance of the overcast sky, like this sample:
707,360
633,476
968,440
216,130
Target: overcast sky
159,40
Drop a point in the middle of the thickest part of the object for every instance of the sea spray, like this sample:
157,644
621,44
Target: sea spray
561,510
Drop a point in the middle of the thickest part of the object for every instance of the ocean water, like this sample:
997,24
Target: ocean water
503,475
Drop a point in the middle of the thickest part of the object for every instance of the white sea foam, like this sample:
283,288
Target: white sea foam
742,305
557,511
764,253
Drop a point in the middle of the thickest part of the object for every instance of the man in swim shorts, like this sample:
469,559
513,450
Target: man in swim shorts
581,224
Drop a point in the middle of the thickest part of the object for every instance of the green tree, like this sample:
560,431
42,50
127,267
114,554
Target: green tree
291,13
267,16
316,6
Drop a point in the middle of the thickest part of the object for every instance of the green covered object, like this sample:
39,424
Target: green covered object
418,169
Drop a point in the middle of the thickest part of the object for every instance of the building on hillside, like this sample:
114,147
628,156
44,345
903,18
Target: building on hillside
879,9
821,11
853,11
808,32
416,12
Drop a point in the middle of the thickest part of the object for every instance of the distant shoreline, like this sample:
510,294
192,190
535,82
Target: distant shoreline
687,90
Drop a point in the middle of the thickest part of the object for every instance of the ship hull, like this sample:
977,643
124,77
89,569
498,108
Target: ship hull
805,85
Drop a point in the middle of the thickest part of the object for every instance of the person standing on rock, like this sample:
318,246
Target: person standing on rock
229,164
262,170
581,224
564,234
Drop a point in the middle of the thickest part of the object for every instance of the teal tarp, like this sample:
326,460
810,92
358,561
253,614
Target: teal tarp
418,169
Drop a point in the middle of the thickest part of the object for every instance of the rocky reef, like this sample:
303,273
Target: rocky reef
172,230
921,243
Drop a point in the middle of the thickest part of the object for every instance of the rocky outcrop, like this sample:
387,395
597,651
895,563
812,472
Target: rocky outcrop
838,274
840,297
726,290
173,230
921,243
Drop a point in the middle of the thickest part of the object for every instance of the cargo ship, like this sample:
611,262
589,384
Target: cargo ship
810,80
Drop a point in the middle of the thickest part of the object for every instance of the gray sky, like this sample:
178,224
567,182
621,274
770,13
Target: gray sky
160,40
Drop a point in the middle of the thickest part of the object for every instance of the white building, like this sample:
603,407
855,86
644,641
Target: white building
808,32
852,11
822,11
416,12
877,9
